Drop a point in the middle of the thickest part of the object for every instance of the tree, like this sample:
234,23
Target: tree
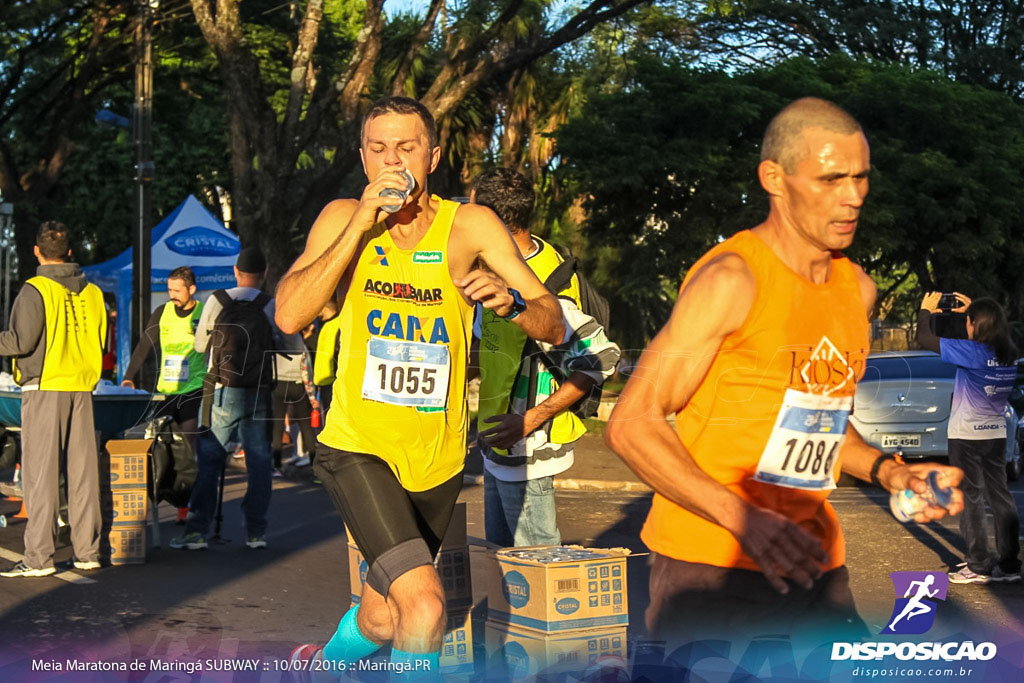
947,159
971,42
58,59
313,104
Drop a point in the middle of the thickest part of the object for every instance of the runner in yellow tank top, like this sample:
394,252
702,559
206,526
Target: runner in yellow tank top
392,451
759,362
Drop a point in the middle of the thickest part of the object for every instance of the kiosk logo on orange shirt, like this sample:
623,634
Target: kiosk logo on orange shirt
826,370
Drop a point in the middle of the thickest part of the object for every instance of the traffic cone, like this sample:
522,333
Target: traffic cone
21,513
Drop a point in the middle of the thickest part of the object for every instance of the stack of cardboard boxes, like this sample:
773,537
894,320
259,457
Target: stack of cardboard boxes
453,567
553,608
125,500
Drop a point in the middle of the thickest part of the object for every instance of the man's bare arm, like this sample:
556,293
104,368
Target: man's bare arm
858,459
489,240
312,279
332,242
711,306
512,427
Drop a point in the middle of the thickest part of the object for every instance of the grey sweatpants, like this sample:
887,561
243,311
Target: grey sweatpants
58,425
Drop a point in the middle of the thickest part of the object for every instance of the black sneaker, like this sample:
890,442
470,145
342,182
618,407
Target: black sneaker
22,569
75,563
999,576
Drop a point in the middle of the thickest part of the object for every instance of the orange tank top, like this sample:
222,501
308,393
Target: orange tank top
769,417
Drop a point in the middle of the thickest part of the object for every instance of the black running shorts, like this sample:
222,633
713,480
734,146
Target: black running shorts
396,530
181,407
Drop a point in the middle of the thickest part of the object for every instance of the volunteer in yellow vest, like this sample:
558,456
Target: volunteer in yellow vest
759,362
180,368
525,425
325,360
393,448
58,326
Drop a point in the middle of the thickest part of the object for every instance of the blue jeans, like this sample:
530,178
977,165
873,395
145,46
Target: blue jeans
239,414
520,513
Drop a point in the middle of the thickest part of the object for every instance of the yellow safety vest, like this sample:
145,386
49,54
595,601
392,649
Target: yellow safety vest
76,326
401,388
501,351
182,368
325,364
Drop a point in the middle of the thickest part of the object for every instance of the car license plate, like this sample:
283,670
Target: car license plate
901,440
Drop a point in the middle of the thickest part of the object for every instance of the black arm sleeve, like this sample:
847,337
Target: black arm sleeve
926,339
150,340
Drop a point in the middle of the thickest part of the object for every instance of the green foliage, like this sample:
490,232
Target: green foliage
668,167
971,42
190,149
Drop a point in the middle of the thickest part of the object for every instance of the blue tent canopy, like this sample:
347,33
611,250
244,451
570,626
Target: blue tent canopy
189,236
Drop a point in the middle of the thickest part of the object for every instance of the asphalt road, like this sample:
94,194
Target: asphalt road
230,602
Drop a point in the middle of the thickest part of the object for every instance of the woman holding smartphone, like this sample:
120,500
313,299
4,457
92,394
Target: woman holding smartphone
977,431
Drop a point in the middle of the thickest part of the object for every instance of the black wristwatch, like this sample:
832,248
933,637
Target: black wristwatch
518,305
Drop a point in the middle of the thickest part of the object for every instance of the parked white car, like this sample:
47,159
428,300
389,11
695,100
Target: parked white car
903,403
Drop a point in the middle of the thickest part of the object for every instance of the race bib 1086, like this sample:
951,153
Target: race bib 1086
804,445
406,373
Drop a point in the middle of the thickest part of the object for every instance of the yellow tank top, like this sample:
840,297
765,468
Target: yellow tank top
400,392
770,415
76,327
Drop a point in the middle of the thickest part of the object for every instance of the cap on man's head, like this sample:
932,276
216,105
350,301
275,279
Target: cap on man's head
250,260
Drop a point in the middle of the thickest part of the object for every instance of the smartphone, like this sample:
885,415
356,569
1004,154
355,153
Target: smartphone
947,302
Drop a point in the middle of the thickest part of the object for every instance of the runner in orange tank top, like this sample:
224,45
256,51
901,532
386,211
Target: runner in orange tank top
759,363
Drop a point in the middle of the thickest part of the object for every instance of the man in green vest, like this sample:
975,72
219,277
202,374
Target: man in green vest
58,325
181,369
526,425
172,330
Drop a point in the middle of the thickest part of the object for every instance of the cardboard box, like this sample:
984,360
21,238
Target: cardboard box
452,567
454,537
128,544
457,645
128,471
129,462
518,653
126,506
554,589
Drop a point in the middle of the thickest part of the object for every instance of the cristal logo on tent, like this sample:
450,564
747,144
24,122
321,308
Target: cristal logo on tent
199,241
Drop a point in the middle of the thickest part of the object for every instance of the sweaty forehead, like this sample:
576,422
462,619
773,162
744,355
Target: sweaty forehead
826,149
394,128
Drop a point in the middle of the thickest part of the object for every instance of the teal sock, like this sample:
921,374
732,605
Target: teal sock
348,643
415,666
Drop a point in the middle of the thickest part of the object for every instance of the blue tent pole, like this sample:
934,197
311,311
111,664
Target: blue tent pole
124,318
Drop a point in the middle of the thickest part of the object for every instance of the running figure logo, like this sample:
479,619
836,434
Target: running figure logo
914,613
